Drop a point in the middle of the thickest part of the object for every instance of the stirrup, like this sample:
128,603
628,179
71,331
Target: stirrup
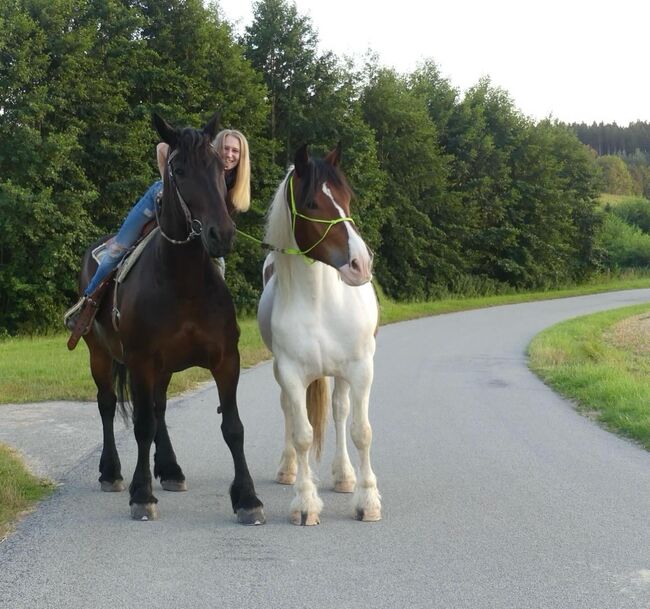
71,316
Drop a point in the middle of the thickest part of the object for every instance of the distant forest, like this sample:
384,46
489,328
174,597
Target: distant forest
614,139
623,155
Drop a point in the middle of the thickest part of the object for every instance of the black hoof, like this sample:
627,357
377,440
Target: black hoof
251,517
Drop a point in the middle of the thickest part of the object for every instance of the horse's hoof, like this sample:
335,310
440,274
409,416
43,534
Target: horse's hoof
176,486
145,511
344,486
116,486
305,519
369,515
251,517
285,478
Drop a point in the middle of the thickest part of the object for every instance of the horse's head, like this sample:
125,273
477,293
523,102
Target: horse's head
319,199
194,195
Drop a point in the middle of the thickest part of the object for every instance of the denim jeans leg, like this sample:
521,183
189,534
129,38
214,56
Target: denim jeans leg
140,214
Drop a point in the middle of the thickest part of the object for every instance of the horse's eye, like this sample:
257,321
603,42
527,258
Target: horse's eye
179,171
311,204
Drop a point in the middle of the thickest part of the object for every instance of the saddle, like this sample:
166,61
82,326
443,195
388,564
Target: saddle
91,304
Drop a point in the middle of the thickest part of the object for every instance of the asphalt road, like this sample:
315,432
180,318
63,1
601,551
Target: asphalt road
496,494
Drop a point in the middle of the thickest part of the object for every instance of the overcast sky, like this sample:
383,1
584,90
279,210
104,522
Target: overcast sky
574,60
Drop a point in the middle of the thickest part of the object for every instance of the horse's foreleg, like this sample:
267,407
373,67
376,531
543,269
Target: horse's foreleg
245,503
110,470
142,502
306,505
366,500
342,470
165,466
288,467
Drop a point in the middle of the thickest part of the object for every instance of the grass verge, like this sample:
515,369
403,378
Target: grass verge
608,380
19,490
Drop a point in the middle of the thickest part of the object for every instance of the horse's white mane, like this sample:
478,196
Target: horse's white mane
278,231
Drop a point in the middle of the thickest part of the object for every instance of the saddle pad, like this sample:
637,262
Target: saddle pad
131,259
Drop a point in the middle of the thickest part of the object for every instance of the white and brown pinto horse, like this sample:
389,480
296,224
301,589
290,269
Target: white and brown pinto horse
318,315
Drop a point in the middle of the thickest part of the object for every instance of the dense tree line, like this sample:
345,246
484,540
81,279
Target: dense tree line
610,138
455,193
623,155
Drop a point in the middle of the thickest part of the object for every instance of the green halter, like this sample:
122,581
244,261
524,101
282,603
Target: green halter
296,214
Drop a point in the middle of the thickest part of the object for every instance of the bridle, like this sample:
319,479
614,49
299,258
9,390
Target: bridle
294,215
195,227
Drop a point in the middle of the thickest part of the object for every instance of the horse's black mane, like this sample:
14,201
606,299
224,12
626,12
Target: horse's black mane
194,144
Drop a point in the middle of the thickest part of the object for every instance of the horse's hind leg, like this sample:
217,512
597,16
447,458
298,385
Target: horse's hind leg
367,501
342,470
110,470
165,466
288,467
245,503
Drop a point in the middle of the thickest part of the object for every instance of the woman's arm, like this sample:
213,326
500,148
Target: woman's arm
162,150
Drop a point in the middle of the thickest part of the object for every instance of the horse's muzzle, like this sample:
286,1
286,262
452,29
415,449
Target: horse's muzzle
218,242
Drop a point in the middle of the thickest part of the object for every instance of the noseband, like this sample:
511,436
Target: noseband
195,227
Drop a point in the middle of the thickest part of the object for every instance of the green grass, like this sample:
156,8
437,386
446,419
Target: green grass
611,199
19,490
37,369
606,382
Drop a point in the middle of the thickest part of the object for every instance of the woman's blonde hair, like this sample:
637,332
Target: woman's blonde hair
240,194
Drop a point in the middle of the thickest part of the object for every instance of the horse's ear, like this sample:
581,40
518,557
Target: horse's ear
167,133
212,128
301,161
334,157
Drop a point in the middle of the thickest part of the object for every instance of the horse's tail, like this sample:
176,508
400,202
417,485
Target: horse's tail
121,384
318,400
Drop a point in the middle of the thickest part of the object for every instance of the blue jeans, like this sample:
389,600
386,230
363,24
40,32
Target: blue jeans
140,214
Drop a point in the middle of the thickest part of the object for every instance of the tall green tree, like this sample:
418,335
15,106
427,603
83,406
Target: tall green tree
281,45
417,257
44,192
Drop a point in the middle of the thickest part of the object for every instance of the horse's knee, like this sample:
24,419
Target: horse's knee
303,439
361,434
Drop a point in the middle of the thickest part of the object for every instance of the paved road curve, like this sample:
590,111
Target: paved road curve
496,494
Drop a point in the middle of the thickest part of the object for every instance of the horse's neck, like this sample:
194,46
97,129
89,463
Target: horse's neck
184,265
298,279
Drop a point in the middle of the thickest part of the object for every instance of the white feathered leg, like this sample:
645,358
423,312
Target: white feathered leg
366,500
288,466
306,505
342,470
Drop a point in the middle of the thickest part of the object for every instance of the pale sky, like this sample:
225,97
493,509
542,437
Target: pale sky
574,60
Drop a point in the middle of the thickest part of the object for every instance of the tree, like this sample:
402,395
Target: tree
43,189
281,45
417,259
616,176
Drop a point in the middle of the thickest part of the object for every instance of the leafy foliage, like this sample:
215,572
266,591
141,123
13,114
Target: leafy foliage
455,194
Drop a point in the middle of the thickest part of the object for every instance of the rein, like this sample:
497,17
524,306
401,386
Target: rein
296,214
195,226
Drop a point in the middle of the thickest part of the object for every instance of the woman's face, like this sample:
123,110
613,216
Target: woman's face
231,151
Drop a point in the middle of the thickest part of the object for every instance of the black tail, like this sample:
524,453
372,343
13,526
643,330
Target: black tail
121,384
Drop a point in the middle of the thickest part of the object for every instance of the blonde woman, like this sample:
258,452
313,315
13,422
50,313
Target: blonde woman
232,147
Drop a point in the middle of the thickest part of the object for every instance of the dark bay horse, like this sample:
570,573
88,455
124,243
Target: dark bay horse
173,311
